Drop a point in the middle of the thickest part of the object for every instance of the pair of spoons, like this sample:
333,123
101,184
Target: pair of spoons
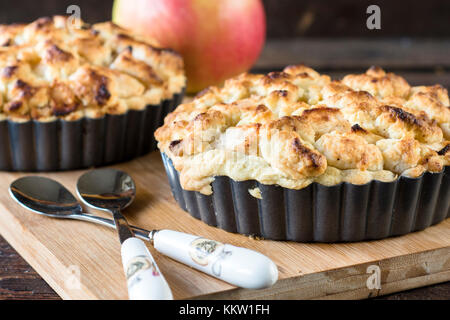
113,190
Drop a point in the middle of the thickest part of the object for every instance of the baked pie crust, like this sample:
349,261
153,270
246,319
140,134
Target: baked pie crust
74,95
296,127
54,68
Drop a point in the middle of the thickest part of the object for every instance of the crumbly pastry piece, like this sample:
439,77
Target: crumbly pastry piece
60,68
296,127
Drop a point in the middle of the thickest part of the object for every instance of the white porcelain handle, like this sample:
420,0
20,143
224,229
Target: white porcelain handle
239,266
144,280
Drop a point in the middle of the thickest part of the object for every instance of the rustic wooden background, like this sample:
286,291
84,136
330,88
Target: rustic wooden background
286,18
330,36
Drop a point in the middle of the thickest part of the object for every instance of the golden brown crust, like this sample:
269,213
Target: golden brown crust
51,68
378,83
295,127
434,102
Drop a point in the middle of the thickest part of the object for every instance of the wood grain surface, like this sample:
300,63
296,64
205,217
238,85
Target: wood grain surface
306,270
354,53
18,280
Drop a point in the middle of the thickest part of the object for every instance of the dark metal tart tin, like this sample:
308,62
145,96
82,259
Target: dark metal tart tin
87,142
318,213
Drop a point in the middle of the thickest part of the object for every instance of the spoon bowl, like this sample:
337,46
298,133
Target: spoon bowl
45,196
48,197
106,189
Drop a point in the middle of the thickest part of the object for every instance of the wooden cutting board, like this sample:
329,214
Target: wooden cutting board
59,249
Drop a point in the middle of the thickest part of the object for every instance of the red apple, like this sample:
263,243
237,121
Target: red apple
217,38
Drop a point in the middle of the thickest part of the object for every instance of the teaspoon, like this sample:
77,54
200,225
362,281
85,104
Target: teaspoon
48,197
112,191
244,268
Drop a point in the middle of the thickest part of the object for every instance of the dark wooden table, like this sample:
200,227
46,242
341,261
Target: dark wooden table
19,281
421,62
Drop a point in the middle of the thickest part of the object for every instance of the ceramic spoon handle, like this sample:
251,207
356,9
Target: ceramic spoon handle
239,266
179,248
144,280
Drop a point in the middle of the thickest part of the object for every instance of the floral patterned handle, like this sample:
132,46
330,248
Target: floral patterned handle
144,280
238,266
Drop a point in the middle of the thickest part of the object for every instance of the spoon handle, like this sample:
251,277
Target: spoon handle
239,266
144,280
236,265
138,232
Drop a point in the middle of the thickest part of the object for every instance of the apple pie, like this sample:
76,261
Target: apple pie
298,129
69,90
